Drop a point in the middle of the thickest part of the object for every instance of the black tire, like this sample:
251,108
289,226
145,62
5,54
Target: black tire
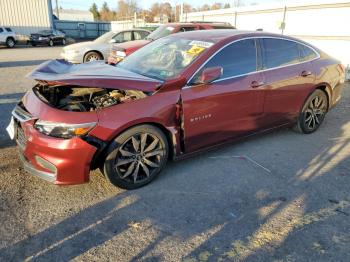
10,42
51,42
141,150
92,56
63,41
33,44
313,112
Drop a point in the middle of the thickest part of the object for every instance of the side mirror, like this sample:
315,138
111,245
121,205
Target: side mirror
112,41
210,74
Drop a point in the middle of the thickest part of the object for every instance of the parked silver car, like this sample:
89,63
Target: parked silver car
99,48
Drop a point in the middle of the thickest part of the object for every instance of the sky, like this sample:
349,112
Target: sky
85,4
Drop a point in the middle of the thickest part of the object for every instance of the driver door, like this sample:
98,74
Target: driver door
229,107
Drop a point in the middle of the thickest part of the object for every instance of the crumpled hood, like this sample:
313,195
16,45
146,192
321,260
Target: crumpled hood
93,74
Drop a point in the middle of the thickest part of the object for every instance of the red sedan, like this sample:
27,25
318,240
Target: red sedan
179,95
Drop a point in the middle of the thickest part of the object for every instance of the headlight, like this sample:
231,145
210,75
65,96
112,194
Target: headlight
63,130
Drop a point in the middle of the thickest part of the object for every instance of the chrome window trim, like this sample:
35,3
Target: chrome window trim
188,85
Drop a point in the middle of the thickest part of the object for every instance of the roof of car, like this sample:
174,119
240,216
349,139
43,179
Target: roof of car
217,35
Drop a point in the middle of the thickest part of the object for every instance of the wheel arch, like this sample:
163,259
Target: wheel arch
169,132
328,91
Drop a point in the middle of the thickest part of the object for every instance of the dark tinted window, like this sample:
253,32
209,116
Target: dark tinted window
236,59
307,53
1,30
278,52
8,29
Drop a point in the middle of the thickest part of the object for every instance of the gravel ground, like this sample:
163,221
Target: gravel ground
277,197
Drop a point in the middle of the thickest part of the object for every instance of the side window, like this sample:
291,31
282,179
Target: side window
123,37
279,52
186,29
307,53
8,29
236,59
140,35
1,30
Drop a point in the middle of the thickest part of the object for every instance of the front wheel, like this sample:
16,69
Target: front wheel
92,56
63,41
312,113
10,42
51,42
136,157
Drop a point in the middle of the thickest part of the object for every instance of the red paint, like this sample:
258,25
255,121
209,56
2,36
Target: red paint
195,118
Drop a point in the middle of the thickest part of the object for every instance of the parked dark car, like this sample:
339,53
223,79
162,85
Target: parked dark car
175,97
48,37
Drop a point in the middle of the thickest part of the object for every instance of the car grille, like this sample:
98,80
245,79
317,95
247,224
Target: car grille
20,137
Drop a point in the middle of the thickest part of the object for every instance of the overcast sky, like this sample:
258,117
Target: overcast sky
85,4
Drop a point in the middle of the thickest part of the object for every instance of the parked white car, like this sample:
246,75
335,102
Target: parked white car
99,48
7,37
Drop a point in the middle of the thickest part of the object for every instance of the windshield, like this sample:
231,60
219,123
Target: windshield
160,32
165,58
45,32
105,37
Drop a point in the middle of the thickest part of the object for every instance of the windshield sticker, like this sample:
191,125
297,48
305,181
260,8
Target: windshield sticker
201,43
170,28
195,50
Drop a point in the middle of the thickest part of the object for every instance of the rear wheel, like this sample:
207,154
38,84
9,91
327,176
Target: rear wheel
136,157
10,42
313,112
92,56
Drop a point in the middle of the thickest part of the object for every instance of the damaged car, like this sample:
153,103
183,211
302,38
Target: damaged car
177,96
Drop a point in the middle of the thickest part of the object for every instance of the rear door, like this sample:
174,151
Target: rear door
289,79
229,107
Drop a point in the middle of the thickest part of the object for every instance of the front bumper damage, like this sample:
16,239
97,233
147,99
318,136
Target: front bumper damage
60,161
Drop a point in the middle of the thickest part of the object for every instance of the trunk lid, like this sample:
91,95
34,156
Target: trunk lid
93,74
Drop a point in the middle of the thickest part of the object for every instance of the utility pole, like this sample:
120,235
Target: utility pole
57,10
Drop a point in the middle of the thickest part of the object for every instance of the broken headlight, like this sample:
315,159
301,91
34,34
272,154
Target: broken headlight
62,130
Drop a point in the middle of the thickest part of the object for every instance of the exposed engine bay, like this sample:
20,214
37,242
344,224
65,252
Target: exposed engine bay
84,99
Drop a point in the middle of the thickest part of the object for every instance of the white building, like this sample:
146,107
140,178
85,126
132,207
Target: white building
26,16
324,24
74,15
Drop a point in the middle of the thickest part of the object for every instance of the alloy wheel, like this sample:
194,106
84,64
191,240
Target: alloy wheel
315,112
10,43
92,58
139,157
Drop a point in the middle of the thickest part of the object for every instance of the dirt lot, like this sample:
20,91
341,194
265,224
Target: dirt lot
276,197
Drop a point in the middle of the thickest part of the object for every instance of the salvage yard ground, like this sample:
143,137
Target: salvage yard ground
277,197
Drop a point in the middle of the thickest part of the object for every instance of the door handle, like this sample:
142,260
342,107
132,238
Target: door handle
305,73
256,84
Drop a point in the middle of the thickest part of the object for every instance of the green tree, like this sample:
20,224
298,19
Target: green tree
94,10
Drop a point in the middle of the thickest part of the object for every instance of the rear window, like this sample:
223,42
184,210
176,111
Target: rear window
306,53
8,29
279,52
